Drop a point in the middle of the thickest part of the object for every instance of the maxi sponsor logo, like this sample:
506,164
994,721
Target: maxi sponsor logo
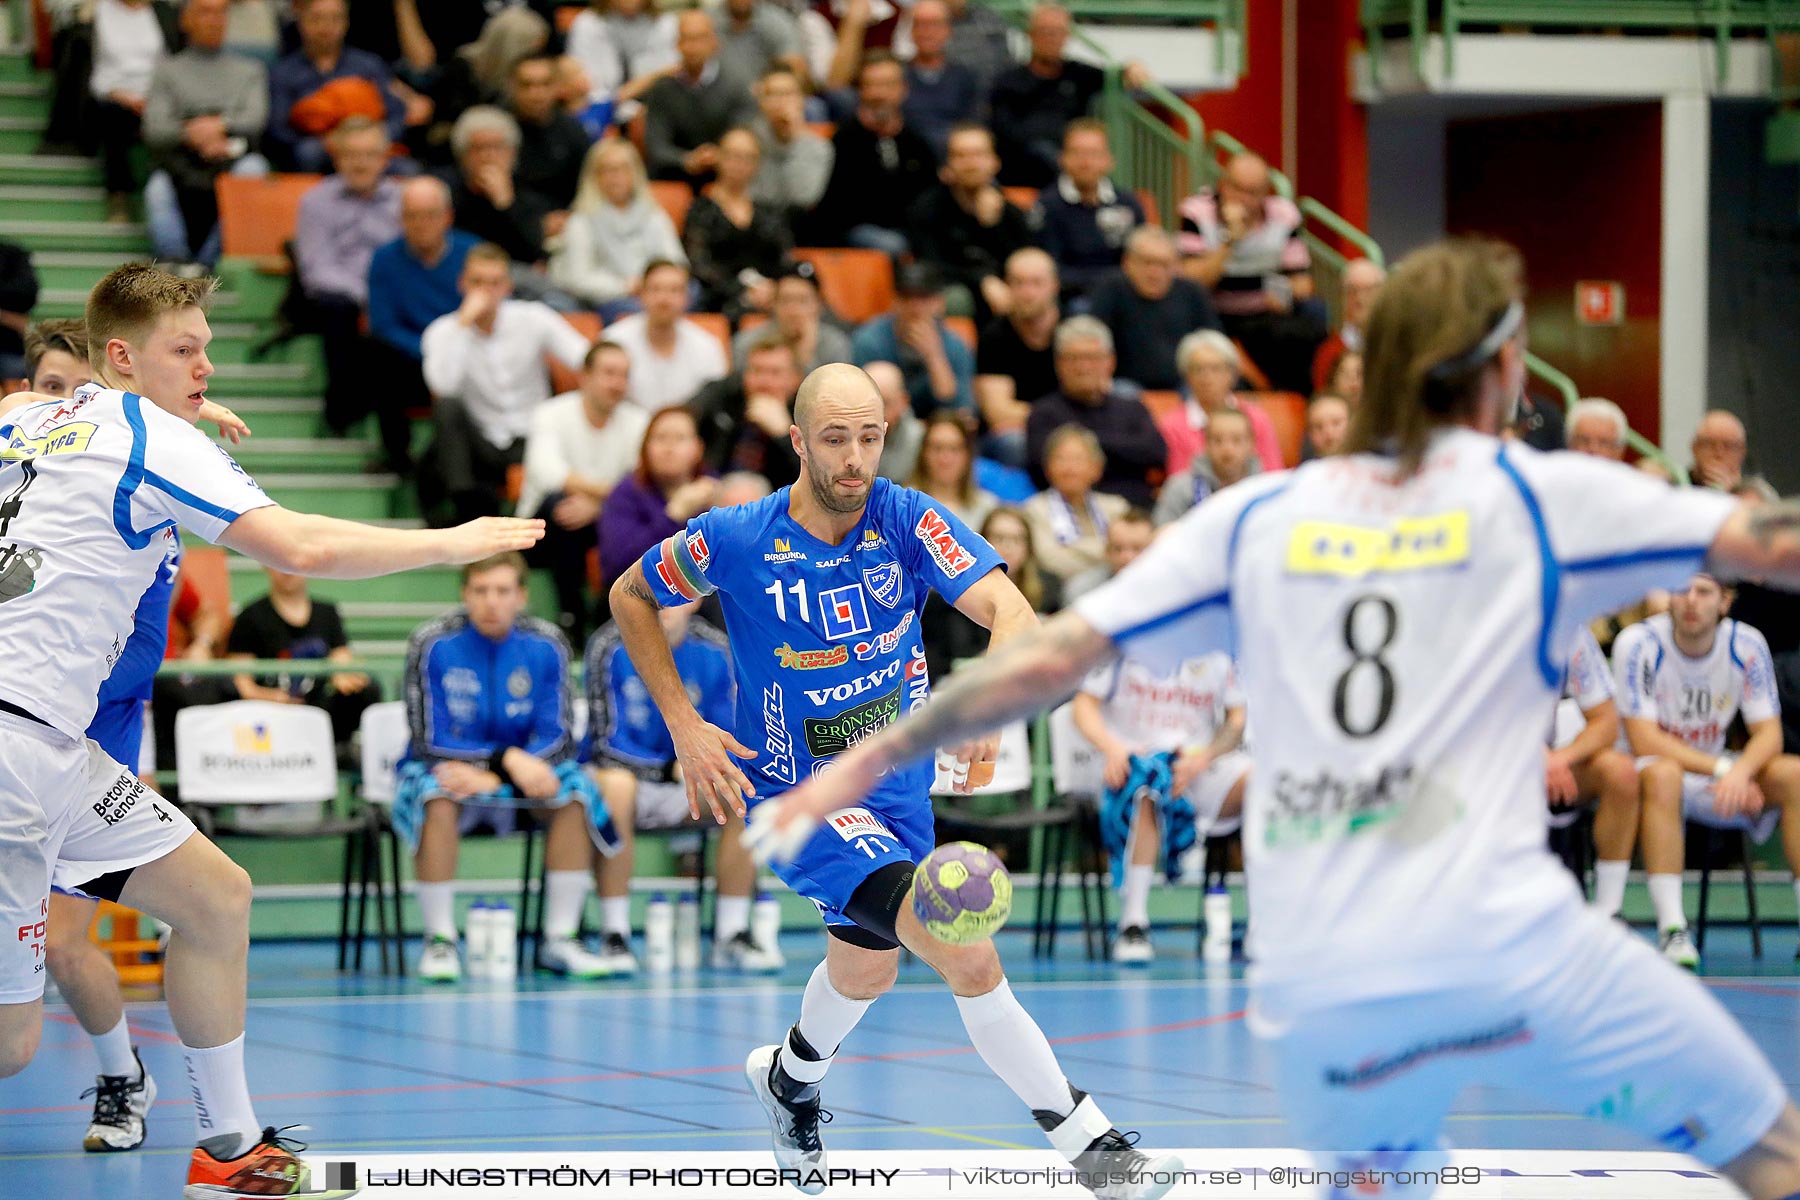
775,735
826,736
855,687
951,557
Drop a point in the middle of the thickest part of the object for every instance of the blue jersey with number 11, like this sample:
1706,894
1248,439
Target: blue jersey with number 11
825,639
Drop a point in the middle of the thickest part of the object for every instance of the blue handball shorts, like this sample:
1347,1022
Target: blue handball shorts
855,843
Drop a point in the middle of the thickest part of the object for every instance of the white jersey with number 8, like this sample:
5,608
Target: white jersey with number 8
1400,648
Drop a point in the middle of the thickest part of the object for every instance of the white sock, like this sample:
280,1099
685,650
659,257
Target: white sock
826,1018
221,1098
114,1047
731,917
1015,1049
1665,897
615,915
437,905
564,894
1134,903
1609,885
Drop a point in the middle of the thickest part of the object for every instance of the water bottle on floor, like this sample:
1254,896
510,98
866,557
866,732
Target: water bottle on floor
505,924
659,935
765,922
1217,947
687,934
478,941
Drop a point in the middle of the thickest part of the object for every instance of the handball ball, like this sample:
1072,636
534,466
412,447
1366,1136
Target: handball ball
961,893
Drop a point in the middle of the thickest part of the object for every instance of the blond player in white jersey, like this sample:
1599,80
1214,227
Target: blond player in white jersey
1584,764
1400,614
1683,676
93,488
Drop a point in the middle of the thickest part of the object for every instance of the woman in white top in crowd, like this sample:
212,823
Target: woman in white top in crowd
616,228
128,43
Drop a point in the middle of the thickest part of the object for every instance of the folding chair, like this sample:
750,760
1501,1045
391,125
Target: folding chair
1076,778
1712,847
384,734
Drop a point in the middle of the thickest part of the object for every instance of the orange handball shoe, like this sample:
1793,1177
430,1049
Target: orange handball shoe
268,1168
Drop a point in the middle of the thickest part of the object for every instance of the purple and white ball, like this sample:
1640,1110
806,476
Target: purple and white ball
961,893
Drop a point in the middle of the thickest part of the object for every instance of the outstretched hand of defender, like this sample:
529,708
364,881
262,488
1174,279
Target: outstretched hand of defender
778,829
230,424
709,772
484,536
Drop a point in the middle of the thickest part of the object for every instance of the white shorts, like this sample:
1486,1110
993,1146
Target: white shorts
68,814
661,805
1207,794
1697,806
1608,1030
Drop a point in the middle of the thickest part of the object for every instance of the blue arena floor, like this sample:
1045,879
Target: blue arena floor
381,1066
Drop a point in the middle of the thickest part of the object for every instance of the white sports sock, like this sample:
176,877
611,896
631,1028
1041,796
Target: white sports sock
1015,1049
615,915
114,1047
564,894
1665,897
731,918
1134,901
826,1018
437,905
221,1097
1609,885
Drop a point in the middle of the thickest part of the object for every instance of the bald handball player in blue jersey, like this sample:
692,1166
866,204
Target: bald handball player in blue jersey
822,585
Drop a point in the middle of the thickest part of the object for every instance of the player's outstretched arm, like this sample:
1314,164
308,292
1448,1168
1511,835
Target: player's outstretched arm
1023,677
329,548
1760,541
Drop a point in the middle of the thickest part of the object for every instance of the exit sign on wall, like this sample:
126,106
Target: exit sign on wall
1599,302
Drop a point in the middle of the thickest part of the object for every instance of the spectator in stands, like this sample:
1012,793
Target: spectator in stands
1361,287
1327,425
552,144
623,44
976,39
205,113
736,246
799,315
1243,243
1127,536
1084,219
755,35
487,693
580,444
616,230
940,94
287,623
56,358
1597,427
1229,457
1032,103
668,487
1720,446
130,38
744,417
796,162
939,366
1538,422
1014,361
1209,364
1009,532
18,296
1069,517
485,366
946,470
463,74
488,201
1346,378
905,432
342,221
671,357
964,225
880,164
632,757
689,110
1131,449
321,83
1150,309
413,281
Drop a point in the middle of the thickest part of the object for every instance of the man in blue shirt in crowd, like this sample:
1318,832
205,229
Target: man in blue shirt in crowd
822,586
412,282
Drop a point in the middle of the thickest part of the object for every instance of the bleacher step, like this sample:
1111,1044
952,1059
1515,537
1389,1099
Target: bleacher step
53,202
299,455
130,239
356,497
50,169
21,134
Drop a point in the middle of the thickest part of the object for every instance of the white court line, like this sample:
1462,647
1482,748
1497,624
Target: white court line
992,1175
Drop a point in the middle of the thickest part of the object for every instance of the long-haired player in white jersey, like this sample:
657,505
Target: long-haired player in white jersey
1400,613
93,490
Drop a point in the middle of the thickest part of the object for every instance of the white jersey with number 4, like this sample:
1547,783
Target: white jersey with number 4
92,490
1695,698
1400,646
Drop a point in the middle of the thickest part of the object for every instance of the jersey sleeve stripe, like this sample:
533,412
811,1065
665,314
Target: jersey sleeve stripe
1552,579
1155,623
683,547
132,478
670,571
1613,562
188,498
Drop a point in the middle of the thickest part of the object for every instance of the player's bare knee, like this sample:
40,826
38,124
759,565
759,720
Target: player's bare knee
866,975
1619,777
1660,783
18,1044
972,970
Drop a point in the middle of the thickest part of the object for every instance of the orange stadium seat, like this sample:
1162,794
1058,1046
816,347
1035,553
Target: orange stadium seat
752,320
256,216
565,16
675,197
1287,410
1161,404
1021,197
562,379
964,328
857,284
717,325
825,129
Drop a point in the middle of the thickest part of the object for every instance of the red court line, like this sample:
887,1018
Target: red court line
1762,989
672,1073
138,1032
